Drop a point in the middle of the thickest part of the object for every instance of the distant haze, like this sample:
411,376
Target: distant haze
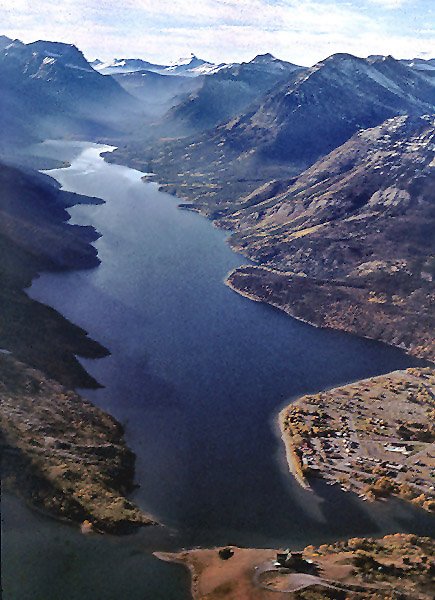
227,30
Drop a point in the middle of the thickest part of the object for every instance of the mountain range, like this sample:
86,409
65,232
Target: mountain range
285,130
196,96
228,92
50,90
192,66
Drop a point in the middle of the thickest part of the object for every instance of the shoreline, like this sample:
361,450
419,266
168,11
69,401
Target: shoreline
63,455
256,298
293,461
174,558
423,354
49,487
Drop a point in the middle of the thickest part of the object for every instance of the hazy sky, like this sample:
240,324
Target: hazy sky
227,30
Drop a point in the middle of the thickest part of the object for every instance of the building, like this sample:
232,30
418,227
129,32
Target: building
291,560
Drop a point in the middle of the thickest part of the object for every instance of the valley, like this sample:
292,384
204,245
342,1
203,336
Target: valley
320,182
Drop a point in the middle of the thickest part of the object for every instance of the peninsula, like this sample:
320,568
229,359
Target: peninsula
374,437
64,455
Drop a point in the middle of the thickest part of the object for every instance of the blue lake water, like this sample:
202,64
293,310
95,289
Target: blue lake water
197,375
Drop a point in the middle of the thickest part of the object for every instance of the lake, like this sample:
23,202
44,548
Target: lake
196,374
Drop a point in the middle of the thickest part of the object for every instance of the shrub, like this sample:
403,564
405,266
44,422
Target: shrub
365,562
226,553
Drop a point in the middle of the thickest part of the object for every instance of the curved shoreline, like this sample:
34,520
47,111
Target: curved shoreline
347,567
292,458
348,439
256,298
316,302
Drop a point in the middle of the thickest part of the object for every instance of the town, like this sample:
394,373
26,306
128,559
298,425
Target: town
374,437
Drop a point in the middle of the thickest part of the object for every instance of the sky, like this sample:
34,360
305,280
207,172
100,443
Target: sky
302,32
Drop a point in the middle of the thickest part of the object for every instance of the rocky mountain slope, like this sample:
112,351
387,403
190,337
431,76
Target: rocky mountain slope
335,98
62,454
227,93
350,243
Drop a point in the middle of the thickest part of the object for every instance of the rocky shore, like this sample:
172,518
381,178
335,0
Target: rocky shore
35,236
64,455
344,305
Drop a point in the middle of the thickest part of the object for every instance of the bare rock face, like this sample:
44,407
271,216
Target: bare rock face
64,455
350,244
377,185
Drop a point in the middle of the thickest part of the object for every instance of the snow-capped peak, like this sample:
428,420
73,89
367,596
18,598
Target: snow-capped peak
190,66
185,61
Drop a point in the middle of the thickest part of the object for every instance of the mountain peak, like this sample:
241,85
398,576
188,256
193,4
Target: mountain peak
264,57
188,61
47,44
68,54
342,57
270,61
